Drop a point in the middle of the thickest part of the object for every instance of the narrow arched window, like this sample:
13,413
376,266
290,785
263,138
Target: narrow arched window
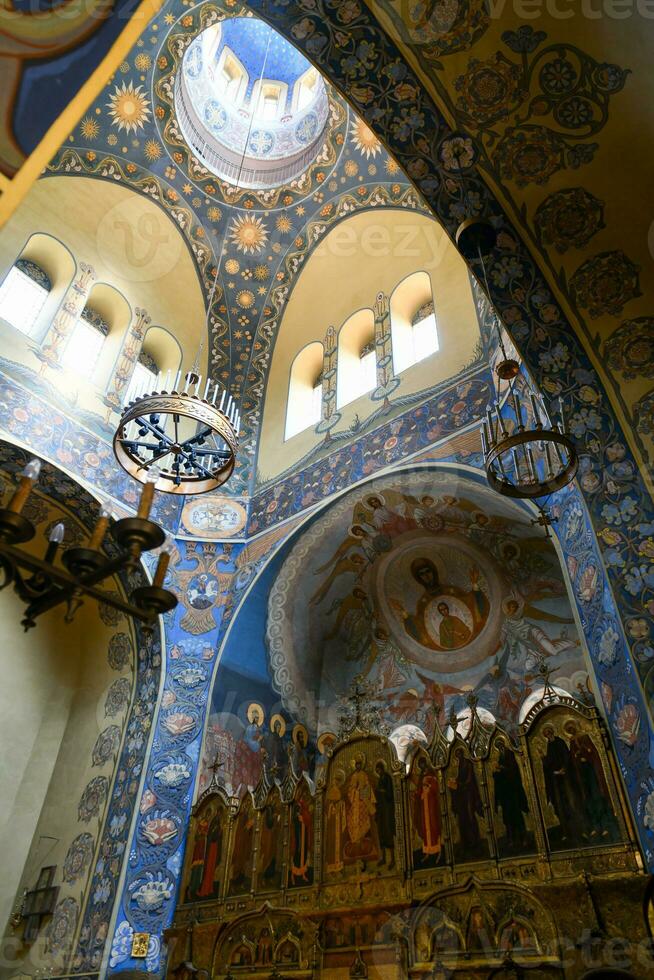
305,89
85,342
23,295
304,409
425,332
269,101
357,358
413,321
144,377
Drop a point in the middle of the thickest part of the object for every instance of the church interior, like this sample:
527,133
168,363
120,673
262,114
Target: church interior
327,514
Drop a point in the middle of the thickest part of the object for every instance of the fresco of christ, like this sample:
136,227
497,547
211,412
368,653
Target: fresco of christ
436,623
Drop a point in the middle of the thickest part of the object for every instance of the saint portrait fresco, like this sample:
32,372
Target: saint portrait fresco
240,867
301,838
466,807
360,814
271,840
510,805
427,594
427,823
208,852
574,789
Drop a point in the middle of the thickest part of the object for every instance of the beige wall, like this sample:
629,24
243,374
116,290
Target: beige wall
133,246
368,253
52,710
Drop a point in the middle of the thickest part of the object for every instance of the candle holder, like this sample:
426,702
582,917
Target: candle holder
190,435
43,584
525,454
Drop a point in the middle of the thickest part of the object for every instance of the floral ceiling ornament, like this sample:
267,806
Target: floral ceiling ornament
569,218
605,283
128,107
364,139
78,858
630,348
249,234
561,86
93,798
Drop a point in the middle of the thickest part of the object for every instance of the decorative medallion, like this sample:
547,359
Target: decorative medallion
214,517
630,348
569,218
605,283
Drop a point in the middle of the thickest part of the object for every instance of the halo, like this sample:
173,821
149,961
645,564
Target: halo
296,731
374,496
513,598
321,741
359,757
280,719
255,710
509,544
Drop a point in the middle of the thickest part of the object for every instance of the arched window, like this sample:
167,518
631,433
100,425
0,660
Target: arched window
23,295
413,321
357,359
144,377
232,76
425,333
269,100
85,342
304,409
305,89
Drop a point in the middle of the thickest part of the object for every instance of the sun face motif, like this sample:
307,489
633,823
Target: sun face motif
128,107
249,234
89,128
152,150
245,299
364,139
284,224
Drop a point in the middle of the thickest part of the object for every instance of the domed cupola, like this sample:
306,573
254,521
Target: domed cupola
247,99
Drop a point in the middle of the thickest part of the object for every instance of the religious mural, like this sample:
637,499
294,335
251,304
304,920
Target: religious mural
404,835
428,596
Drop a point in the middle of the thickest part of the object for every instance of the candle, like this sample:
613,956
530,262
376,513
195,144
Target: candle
167,382
162,568
147,494
54,540
222,401
484,439
100,528
517,409
28,477
178,376
206,389
215,394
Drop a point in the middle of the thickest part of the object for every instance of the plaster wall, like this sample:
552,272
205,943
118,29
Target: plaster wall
133,247
385,248
40,673
61,725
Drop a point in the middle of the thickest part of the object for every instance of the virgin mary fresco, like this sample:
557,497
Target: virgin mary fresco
446,617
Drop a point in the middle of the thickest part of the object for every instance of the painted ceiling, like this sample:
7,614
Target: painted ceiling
130,136
559,108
